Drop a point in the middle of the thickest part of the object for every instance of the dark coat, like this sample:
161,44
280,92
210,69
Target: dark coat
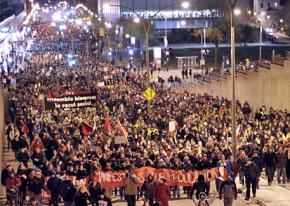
162,194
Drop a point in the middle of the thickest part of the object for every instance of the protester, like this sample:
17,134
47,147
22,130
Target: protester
281,159
200,186
68,192
251,175
203,199
270,164
162,193
12,184
229,191
148,188
78,142
131,189
103,200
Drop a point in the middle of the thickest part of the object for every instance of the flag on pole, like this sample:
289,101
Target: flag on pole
95,124
24,127
122,131
107,126
86,129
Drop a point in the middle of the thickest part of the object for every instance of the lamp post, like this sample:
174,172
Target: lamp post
234,12
146,23
260,18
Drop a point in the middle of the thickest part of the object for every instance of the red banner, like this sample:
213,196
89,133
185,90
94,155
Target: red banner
173,177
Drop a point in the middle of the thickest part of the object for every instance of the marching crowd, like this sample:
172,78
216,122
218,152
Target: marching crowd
49,144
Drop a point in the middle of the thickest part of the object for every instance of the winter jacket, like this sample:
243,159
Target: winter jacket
162,194
228,189
281,160
131,186
269,159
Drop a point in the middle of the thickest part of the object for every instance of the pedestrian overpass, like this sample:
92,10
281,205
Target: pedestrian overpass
177,19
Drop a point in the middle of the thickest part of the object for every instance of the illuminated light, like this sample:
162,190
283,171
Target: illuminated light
131,52
249,12
108,25
183,23
53,24
79,21
133,40
69,56
10,60
56,16
5,29
185,4
281,20
60,56
136,20
62,27
100,19
117,31
268,17
89,23
110,53
127,36
237,12
106,6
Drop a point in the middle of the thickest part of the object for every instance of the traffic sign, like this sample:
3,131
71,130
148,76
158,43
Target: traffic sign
149,94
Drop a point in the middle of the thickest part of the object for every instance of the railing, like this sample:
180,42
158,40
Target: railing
288,55
278,60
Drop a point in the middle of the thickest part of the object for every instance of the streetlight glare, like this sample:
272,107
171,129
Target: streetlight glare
185,4
79,21
56,16
237,12
106,6
137,20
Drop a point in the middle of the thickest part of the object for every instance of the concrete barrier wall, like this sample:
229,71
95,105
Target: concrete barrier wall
2,124
266,87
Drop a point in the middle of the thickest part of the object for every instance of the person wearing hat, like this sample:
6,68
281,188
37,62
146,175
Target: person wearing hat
162,193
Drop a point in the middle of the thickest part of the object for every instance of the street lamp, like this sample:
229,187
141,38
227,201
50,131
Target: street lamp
234,12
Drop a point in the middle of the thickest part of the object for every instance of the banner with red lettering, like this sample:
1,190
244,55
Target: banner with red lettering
173,177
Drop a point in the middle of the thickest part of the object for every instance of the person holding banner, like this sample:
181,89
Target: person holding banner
131,188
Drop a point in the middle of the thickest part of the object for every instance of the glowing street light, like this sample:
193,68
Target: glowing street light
89,23
56,16
237,12
79,22
137,20
62,27
185,5
106,6
127,36
53,24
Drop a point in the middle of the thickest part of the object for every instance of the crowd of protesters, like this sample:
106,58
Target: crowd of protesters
50,144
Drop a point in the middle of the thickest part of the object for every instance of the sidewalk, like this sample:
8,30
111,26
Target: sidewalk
273,195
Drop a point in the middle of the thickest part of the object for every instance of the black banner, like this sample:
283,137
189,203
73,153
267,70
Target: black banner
66,102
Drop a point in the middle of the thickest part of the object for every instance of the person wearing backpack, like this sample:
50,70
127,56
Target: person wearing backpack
229,190
200,186
251,174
